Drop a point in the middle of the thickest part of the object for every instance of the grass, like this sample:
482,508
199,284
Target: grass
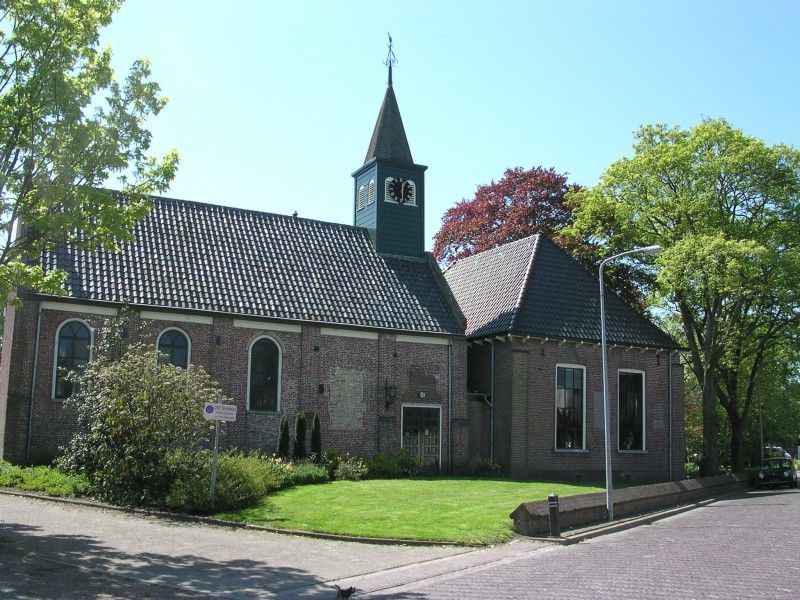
464,510
49,480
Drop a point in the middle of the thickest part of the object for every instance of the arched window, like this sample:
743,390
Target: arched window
371,191
264,383
174,344
73,348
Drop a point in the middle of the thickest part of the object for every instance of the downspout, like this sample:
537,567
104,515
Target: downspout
33,384
450,406
491,408
378,400
669,394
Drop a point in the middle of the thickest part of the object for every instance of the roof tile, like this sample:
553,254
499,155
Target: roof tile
206,257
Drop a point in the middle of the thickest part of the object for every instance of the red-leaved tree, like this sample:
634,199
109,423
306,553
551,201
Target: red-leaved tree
522,203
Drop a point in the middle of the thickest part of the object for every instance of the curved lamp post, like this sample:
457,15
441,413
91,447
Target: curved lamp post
606,411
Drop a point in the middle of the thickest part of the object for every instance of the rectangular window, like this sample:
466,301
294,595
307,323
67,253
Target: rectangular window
631,410
570,407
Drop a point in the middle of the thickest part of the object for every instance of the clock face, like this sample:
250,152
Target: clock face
400,190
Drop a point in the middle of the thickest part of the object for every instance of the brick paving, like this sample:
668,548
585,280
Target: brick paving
743,547
746,547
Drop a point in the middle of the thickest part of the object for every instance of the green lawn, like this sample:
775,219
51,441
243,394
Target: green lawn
464,510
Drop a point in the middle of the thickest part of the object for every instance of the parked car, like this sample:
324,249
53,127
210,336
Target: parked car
777,471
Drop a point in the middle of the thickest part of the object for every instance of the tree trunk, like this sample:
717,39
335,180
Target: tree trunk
737,428
710,463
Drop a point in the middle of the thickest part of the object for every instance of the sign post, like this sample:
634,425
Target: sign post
217,411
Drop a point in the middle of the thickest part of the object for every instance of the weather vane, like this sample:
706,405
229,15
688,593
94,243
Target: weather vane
391,59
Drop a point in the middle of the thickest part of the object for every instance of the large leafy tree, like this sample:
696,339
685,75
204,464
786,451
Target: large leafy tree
725,206
66,128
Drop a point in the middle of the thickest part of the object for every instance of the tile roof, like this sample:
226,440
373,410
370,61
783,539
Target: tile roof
194,256
533,287
389,140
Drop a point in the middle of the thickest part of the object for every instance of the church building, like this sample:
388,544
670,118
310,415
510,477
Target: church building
495,360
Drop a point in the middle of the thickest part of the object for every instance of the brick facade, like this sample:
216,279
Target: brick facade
525,413
357,380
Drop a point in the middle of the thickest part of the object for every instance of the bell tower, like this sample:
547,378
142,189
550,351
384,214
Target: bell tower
389,190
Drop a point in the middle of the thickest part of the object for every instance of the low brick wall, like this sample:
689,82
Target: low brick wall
532,518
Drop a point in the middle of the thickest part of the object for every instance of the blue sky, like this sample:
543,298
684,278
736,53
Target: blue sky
272,104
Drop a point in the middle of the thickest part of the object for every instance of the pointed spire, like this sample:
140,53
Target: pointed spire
389,140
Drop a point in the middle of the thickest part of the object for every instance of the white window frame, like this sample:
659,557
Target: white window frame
280,373
371,192
583,447
644,412
422,405
188,342
55,352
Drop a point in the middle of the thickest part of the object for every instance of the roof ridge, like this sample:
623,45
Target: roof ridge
483,253
524,287
244,210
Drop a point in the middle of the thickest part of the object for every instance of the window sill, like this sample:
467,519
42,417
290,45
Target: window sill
632,451
571,450
264,412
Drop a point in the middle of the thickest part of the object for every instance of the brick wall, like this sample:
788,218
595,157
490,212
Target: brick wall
525,384
319,373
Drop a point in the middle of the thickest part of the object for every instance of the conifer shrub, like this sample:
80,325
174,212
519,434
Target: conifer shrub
299,450
283,437
316,437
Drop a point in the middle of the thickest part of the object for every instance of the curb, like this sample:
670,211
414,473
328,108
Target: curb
565,540
593,531
176,516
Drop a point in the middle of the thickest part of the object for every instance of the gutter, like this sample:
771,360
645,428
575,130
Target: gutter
244,316
33,383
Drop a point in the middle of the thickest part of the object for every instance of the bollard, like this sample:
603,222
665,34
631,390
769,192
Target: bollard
555,515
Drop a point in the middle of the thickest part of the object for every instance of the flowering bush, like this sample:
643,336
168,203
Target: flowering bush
350,468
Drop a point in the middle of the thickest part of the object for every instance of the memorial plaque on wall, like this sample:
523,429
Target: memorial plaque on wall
346,406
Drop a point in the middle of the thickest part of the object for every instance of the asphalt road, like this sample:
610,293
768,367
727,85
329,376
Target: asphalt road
744,547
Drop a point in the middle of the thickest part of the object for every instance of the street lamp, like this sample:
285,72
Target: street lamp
606,411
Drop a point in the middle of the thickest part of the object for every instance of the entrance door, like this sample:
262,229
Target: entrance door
421,433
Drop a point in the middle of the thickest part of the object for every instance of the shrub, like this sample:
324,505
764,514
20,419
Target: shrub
487,468
283,437
242,480
330,460
307,472
350,468
299,450
316,437
133,412
691,469
10,475
392,466
43,479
